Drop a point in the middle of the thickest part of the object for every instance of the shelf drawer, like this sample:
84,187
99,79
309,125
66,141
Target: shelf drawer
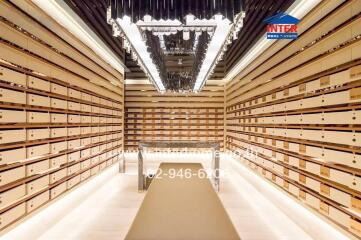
58,161
85,153
58,132
95,109
36,185
12,175
73,131
34,134
73,118
338,216
12,215
9,136
268,174
37,83
102,166
56,191
12,156
85,164
73,182
38,117
55,88
95,99
11,76
10,196
75,156
340,197
37,168
56,176
104,102
109,137
86,97
85,141
11,96
102,138
58,103
37,201
95,129
102,157
10,116
293,190
103,110
356,183
85,175
59,118
95,139
95,149
343,158
85,108
38,100
85,130
74,143
312,201
94,170
73,106
102,120
58,147
73,169
37,151
86,119
74,93
95,119
94,160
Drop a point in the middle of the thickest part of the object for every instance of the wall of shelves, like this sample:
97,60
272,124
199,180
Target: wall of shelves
298,122
154,116
61,118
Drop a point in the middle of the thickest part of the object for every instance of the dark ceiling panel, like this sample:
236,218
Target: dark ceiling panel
253,28
93,13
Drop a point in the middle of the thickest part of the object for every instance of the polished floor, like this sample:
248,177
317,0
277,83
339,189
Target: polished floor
105,207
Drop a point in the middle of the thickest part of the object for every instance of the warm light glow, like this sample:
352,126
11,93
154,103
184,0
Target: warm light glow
60,12
135,39
220,35
286,203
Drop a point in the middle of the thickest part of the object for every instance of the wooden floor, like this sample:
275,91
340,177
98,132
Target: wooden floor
105,208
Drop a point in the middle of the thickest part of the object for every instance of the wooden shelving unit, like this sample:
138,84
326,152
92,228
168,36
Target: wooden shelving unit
150,115
61,120
296,118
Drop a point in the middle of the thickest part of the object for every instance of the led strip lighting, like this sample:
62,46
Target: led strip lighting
134,43
134,38
63,14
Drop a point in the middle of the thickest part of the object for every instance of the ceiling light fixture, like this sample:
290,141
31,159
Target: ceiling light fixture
138,28
133,40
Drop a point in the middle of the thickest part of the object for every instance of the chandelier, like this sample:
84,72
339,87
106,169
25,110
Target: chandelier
177,43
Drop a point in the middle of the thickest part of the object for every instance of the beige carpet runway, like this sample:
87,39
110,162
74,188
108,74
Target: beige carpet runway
181,207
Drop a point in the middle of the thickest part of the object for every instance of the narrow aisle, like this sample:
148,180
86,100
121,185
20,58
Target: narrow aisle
106,206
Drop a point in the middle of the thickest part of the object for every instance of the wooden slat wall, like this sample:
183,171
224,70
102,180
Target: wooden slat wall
296,118
61,120
154,116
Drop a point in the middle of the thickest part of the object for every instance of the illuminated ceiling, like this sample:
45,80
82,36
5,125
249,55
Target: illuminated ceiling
153,31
